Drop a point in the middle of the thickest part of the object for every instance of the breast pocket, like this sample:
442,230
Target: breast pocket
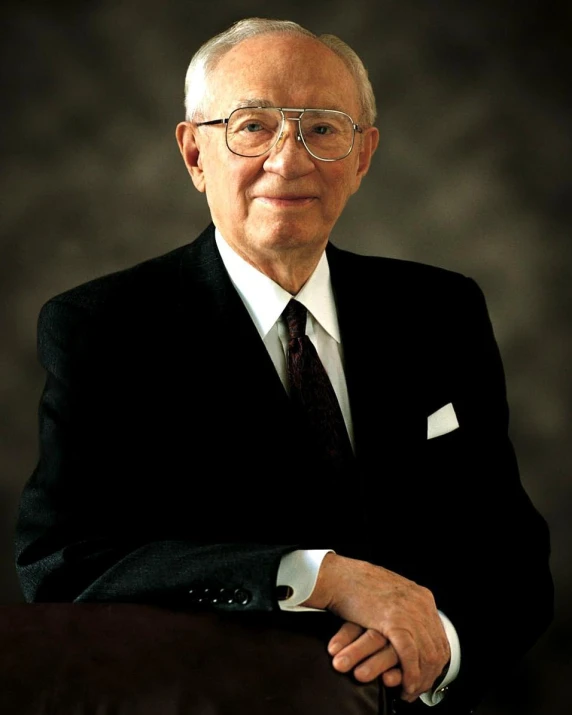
442,422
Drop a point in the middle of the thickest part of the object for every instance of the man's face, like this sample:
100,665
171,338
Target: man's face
286,199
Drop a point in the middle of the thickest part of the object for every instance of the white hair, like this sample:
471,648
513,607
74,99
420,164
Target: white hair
208,56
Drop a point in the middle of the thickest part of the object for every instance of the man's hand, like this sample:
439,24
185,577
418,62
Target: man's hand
373,655
398,609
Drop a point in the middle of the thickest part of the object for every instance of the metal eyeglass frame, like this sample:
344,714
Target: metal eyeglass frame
279,134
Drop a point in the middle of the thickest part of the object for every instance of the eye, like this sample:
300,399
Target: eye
322,129
252,127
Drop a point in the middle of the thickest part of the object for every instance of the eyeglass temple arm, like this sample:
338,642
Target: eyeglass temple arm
212,121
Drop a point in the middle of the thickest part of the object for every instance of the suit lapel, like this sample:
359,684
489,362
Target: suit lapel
236,358
210,298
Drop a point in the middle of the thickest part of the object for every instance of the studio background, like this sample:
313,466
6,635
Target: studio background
472,174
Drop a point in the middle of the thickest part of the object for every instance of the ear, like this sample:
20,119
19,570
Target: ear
188,141
367,147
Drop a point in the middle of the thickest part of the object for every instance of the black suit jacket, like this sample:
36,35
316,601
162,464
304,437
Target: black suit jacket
170,462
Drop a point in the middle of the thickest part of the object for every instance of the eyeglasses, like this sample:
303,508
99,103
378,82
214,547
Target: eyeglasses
327,134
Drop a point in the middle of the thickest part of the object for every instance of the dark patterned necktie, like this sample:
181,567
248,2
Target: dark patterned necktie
312,393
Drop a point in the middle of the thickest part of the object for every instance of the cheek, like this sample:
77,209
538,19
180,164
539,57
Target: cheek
238,182
224,175
225,193
340,189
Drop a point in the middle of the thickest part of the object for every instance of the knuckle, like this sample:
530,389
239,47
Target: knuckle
374,637
369,635
433,659
405,646
349,629
427,595
398,633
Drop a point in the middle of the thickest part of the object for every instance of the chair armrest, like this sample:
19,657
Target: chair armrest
122,659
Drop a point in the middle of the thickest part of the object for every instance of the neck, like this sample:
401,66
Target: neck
290,275
289,268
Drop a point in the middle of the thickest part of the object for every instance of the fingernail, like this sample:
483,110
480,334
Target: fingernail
335,648
342,662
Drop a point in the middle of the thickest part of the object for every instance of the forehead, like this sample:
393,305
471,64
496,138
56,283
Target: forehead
285,71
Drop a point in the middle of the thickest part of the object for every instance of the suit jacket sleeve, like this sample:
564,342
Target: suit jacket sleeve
488,564
80,534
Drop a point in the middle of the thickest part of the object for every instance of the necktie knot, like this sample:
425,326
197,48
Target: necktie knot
295,315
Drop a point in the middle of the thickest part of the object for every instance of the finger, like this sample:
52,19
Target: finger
365,645
431,662
420,662
407,650
392,677
376,665
347,633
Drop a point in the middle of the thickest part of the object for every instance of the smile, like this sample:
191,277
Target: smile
286,201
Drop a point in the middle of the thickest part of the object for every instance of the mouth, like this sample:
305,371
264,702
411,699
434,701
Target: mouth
286,201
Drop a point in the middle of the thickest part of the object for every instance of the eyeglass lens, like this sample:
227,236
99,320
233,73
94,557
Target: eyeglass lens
252,132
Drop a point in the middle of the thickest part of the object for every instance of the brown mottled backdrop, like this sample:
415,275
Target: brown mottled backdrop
473,174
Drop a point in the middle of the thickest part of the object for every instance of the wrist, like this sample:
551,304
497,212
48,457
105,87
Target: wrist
321,595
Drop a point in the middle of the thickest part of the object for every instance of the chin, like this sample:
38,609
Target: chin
284,236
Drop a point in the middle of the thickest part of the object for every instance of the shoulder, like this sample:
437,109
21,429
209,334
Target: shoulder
410,282
125,286
137,305
135,289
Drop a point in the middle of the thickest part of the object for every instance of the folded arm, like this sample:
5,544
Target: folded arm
91,527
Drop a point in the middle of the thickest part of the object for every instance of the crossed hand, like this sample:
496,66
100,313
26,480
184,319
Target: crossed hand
369,653
392,627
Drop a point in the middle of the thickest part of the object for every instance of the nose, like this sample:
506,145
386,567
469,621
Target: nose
295,129
288,157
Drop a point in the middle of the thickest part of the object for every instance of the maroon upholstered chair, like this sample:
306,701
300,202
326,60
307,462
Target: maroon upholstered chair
120,659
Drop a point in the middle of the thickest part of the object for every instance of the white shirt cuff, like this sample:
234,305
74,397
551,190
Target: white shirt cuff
298,570
433,697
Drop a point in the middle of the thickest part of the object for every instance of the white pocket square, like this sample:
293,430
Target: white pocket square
442,422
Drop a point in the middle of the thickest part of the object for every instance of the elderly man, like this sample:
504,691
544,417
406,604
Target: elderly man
260,383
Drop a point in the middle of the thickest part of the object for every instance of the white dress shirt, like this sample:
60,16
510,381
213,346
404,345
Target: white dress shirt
265,301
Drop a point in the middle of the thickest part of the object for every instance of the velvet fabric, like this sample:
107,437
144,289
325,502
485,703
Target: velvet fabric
120,659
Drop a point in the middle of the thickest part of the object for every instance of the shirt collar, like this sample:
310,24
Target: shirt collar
265,299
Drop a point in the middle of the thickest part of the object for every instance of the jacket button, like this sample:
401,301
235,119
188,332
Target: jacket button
242,596
225,595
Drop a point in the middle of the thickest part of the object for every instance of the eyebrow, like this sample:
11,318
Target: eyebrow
260,102
254,102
